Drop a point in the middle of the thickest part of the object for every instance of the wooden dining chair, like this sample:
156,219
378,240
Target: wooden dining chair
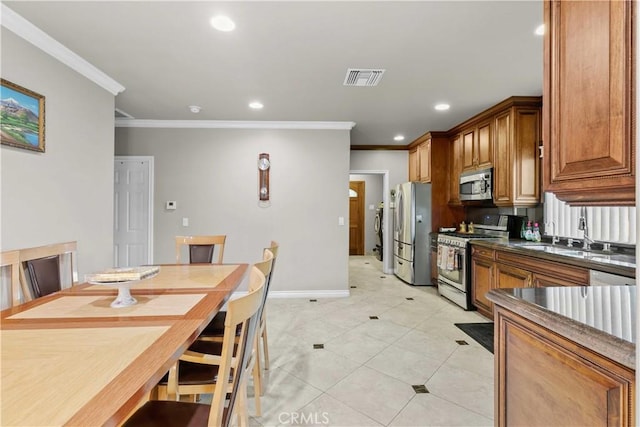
201,248
198,379
228,371
263,319
47,269
10,268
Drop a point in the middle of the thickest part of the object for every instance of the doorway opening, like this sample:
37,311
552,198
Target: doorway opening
374,193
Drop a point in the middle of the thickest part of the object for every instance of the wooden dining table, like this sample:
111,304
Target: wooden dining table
71,359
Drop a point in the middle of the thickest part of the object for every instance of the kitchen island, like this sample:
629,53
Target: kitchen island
565,355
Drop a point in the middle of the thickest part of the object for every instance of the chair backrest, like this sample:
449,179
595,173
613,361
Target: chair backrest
275,246
47,269
266,267
200,248
10,267
243,310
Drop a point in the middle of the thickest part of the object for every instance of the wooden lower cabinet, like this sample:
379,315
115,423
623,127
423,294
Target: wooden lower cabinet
508,276
493,269
542,280
482,273
544,379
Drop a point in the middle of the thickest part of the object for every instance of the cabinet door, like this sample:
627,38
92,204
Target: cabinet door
511,277
589,101
424,161
503,172
526,153
482,273
544,379
413,165
543,280
484,145
468,153
455,167
516,173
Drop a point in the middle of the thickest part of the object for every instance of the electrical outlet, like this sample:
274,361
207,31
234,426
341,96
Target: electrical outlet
185,222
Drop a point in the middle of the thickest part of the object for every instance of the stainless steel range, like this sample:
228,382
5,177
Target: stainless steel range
454,256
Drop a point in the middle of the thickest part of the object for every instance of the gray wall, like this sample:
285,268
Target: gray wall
212,175
372,198
65,193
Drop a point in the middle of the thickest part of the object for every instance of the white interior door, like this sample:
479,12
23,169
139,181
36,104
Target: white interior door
133,225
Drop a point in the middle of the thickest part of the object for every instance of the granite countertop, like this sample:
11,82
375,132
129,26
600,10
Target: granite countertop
600,318
614,263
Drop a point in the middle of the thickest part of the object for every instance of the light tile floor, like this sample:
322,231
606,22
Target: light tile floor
364,374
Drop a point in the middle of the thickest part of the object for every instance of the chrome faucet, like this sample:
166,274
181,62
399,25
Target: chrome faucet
583,225
554,237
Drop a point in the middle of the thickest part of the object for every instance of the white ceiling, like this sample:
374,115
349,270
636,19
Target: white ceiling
293,57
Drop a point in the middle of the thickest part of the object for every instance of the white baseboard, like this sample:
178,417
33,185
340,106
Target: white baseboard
300,294
309,294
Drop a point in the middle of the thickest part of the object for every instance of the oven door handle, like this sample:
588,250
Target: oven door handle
449,282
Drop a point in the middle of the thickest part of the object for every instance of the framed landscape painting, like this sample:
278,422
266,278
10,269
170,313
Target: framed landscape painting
22,117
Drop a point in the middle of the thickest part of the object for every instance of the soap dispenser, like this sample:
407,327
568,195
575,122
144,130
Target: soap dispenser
536,233
528,233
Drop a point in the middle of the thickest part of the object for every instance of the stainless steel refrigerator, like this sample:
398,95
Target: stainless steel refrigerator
412,225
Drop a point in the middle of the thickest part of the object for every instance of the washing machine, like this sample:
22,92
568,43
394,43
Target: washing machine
378,227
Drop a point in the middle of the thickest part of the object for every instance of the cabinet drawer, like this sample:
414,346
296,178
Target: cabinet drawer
478,251
568,273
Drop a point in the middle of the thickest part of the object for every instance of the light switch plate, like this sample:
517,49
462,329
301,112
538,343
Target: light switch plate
185,222
170,205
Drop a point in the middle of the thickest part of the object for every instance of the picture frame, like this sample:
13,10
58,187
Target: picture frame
22,117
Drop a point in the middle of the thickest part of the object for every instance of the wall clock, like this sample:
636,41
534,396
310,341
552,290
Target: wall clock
264,164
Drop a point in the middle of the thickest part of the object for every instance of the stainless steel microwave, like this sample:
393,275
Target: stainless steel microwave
476,185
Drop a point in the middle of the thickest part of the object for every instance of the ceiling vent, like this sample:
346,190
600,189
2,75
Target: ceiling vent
363,77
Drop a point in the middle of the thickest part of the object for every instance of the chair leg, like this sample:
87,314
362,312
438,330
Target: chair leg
257,379
241,408
265,346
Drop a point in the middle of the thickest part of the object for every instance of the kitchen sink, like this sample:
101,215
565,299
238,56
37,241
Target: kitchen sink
535,247
607,258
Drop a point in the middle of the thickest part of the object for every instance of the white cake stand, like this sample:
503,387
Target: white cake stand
124,298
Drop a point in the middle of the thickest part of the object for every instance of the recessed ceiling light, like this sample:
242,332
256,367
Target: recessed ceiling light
256,105
398,138
194,109
540,30
223,23
442,107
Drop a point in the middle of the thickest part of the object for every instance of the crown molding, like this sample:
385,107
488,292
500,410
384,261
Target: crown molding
34,35
379,147
231,124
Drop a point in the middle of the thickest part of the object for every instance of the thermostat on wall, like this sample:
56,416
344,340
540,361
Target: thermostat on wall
170,205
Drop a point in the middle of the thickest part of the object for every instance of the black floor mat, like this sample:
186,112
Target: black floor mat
481,332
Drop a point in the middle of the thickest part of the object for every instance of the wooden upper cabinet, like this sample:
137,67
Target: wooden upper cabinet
516,173
589,92
413,165
424,161
484,145
468,155
477,146
455,167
